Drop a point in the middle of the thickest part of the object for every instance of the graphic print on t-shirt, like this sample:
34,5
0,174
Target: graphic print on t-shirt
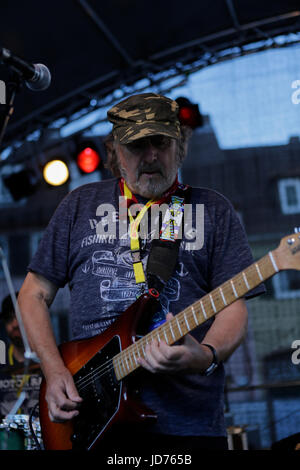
114,268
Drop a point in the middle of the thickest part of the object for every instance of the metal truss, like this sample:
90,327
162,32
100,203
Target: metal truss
163,71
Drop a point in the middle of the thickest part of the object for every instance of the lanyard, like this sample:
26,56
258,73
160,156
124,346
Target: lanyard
134,237
135,223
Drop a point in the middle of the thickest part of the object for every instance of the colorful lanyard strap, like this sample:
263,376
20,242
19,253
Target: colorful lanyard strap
134,236
135,223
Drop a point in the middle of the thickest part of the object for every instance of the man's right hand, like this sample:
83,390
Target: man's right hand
35,298
62,397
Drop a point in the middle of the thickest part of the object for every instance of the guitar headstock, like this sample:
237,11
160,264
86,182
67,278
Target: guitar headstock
288,251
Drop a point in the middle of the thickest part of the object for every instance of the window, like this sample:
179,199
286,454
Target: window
289,195
287,284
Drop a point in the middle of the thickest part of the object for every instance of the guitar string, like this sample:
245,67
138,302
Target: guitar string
107,370
98,372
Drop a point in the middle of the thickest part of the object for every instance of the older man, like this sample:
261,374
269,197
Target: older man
182,383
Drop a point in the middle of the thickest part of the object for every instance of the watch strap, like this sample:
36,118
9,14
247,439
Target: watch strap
215,361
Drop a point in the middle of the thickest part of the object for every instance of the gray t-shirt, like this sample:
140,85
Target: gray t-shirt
98,268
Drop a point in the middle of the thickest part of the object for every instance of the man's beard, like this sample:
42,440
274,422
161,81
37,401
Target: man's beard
152,187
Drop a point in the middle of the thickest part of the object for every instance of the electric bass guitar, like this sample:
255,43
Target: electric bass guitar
102,364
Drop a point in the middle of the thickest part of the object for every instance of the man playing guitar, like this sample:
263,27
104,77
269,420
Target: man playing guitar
182,382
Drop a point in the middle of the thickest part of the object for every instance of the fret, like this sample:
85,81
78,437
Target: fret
234,290
130,359
121,365
222,295
246,281
127,363
266,266
172,332
178,324
166,338
258,271
136,362
117,368
203,310
212,303
187,323
273,261
194,315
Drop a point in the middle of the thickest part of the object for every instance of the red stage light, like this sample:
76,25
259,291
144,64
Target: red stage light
88,160
189,116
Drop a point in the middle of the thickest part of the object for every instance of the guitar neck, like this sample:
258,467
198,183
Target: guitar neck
191,317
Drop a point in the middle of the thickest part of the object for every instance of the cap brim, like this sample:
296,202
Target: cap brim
127,134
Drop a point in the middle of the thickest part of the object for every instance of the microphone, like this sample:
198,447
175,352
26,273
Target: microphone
37,76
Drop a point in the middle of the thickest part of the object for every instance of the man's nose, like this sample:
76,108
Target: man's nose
151,153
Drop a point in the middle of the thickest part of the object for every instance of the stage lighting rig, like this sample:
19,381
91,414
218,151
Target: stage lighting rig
89,154
189,114
56,172
21,183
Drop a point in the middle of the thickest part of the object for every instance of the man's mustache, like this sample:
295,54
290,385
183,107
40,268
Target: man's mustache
150,169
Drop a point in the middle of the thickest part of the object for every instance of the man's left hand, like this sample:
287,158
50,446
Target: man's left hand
189,356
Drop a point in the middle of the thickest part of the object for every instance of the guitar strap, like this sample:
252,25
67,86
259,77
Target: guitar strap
164,251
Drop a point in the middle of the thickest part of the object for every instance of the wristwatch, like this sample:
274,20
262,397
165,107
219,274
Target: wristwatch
214,363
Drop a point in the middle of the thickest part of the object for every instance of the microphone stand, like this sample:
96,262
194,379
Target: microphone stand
29,355
14,84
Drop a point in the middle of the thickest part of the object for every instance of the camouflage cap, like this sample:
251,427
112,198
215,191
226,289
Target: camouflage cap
144,115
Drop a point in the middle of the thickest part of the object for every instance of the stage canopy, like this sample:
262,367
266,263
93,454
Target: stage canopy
94,48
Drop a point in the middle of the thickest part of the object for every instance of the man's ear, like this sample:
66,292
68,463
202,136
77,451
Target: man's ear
109,145
186,133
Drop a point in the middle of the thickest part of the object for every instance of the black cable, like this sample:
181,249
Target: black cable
36,441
